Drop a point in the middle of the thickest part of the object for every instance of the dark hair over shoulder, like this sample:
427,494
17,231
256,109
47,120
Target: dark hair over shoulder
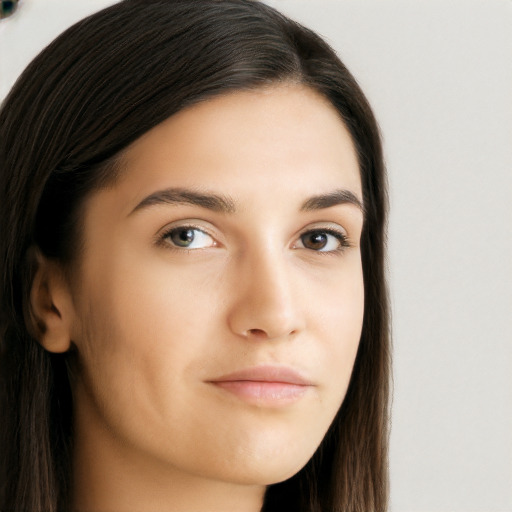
97,88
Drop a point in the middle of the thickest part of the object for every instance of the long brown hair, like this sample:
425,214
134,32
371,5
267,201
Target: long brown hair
94,90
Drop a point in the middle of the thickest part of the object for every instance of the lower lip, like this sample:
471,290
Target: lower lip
264,393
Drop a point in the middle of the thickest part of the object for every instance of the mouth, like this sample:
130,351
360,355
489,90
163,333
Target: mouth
271,386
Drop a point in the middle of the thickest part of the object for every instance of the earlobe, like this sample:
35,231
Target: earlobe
50,306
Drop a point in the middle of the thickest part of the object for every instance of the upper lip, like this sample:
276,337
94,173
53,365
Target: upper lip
266,373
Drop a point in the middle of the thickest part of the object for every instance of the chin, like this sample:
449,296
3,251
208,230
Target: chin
267,470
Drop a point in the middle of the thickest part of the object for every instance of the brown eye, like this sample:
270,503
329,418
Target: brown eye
323,241
315,240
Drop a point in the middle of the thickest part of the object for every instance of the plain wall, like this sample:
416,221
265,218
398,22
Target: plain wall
439,76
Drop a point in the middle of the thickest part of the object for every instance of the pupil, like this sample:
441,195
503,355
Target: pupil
183,237
315,240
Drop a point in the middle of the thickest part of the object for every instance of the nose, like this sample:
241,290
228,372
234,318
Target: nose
266,302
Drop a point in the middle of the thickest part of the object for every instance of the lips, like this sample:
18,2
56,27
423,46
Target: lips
272,386
280,374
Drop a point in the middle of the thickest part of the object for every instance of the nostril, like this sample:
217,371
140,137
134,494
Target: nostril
264,335
257,333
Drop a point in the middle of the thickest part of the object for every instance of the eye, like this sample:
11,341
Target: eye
188,237
323,240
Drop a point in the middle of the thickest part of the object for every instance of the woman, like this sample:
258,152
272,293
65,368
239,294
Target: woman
194,311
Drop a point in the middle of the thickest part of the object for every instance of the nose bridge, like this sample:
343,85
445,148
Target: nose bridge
265,304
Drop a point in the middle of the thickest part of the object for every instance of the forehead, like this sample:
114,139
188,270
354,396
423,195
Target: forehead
286,136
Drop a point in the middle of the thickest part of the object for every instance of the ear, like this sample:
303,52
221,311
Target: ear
51,306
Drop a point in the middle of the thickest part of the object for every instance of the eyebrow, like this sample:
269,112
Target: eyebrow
215,202
224,204
337,197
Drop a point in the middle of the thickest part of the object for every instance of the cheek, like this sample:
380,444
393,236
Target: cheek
152,332
338,321
150,327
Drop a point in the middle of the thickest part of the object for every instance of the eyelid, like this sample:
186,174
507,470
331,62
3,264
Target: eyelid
325,226
162,234
329,228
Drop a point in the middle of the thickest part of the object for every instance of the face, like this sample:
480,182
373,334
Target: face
221,294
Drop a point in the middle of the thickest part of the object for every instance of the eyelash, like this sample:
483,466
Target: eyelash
341,237
164,237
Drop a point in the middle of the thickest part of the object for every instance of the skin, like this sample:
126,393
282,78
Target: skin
153,323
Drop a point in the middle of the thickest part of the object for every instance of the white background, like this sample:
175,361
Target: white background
439,76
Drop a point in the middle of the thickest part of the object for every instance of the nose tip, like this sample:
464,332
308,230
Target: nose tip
271,330
265,306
